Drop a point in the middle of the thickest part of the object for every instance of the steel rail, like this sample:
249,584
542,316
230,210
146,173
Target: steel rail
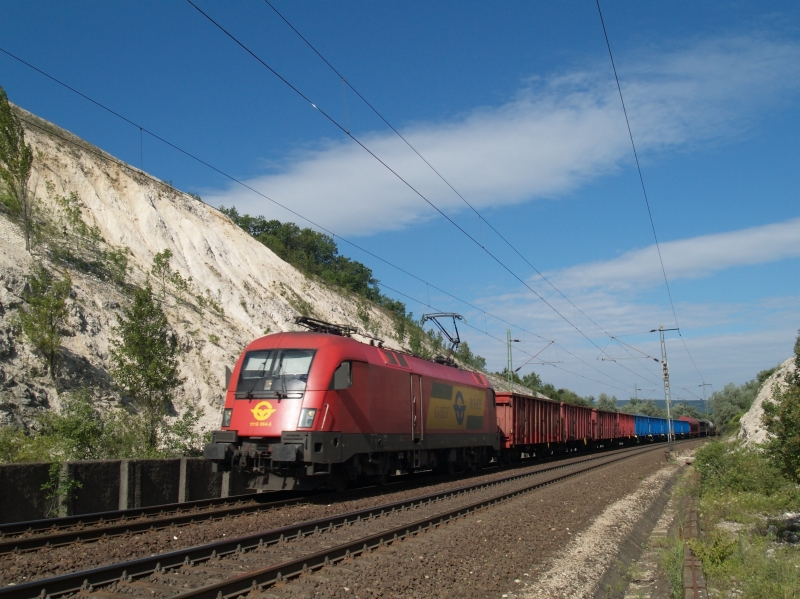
125,571
52,536
51,525
45,525
262,578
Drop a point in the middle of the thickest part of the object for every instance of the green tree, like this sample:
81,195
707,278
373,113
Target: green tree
782,420
416,343
733,400
144,362
117,261
685,409
17,446
16,159
532,381
643,407
609,404
314,253
46,313
565,395
161,270
464,355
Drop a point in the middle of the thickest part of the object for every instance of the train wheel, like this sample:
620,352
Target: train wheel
383,478
339,480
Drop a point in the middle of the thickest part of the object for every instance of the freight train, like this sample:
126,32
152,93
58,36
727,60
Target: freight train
320,409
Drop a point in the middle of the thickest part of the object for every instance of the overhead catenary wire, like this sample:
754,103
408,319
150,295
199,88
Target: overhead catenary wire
504,342
481,218
644,189
338,125
141,128
108,157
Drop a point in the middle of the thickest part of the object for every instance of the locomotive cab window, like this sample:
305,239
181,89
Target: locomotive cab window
274,373
342,377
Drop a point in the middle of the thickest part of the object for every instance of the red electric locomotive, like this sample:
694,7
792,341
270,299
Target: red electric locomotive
311,409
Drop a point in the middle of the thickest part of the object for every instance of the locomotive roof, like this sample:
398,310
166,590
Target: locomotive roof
356,350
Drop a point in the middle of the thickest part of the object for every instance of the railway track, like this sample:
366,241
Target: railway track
30,536
260,560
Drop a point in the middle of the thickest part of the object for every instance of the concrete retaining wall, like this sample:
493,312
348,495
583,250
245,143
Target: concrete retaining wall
21,494
108,485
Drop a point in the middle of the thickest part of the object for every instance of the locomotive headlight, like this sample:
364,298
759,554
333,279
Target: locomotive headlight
306,418
226,416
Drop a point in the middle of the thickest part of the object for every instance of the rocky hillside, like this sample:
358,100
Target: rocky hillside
230,288
751,430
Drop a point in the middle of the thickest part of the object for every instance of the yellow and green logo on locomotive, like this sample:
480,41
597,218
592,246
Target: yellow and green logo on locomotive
456,408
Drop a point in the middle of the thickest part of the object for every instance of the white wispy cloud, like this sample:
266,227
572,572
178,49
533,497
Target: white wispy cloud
730,340
557,133
688,258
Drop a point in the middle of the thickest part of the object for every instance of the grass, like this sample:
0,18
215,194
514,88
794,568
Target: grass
672,565
739,491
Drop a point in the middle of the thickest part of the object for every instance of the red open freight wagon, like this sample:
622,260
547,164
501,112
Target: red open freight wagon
526,422
531,425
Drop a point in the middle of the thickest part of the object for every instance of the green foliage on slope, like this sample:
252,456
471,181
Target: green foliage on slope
317,254
313,253
79,430
743,497
782,421
16,160
144,358
45,313
748,496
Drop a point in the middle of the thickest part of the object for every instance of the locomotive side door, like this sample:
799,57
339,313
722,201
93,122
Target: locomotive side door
416,408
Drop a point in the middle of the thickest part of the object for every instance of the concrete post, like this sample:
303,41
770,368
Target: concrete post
137,489
129,485
226,484
64,490
183,484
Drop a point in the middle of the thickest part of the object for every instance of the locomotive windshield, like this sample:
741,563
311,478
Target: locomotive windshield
274,373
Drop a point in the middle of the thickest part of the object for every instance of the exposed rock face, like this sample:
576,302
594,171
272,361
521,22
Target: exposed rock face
255,291
751,430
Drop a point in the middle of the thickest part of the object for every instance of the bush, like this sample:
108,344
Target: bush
78,431
73,243
17,446
728,467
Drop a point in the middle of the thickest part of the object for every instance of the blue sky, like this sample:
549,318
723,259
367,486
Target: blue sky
516,105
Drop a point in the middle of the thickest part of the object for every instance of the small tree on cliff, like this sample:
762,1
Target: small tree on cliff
16,159
144,362
46,313
782,421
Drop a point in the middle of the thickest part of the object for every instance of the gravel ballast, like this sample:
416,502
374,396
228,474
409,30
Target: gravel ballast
514,549
28,566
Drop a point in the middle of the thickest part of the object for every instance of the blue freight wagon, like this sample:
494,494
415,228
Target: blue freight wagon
681,428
